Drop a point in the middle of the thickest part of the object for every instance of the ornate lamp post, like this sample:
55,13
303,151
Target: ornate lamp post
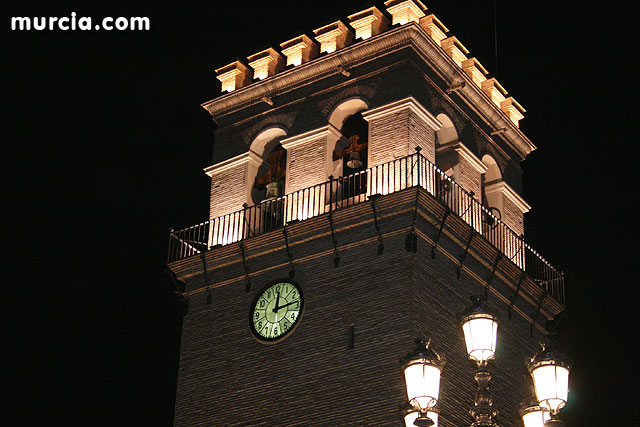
422,368
550,372
480,329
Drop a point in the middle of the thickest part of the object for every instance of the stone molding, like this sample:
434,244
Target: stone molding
303,138
467,155
409,103
411,35
229,164
503,188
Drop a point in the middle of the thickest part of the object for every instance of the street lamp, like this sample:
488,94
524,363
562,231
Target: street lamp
480,329
550,372
534,415
422,368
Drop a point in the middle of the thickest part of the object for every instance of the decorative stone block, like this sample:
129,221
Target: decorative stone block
333,36
266,63
403,11
434,28
475,70
234,76
513,109
494,90
368,23
299,50
455,50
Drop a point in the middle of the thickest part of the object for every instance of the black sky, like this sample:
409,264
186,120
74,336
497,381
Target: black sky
104,146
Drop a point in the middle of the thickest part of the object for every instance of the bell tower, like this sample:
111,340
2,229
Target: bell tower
365,184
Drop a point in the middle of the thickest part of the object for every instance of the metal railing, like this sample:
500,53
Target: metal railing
410,171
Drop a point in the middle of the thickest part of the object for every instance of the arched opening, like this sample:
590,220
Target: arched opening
270,183
346,109
447,133
351,151
267,166
446,160
337,142
493,173
491,176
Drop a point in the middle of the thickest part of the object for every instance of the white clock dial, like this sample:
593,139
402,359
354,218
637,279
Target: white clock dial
276,310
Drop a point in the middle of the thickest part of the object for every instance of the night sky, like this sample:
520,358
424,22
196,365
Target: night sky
105,141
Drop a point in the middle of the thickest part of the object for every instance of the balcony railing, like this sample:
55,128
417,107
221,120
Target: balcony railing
413,170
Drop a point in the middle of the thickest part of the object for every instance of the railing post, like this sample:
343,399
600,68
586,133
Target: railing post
330,193
418,149
244,220
171,238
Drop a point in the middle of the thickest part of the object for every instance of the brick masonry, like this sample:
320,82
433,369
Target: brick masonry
228,190
228,378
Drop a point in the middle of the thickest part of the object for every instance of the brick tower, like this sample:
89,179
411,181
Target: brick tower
365,183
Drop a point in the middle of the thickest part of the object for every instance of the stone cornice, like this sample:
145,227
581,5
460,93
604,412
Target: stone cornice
408,103
228,164
407,35
471,158
296,140
504,188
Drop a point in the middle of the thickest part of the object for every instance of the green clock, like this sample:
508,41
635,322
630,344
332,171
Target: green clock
276,310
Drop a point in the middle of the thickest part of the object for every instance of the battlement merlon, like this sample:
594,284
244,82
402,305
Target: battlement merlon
410,34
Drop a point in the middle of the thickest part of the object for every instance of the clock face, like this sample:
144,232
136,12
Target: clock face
276,310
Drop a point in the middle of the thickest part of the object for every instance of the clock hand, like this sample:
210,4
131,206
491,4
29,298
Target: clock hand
276,308
287,304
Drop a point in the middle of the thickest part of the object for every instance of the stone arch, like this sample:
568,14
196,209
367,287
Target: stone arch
344,109
262,145
447,133
445,137
266,139
337,119
493,172
491,176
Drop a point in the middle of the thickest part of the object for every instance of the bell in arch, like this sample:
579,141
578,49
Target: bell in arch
272,179
354,160
353,151
273,190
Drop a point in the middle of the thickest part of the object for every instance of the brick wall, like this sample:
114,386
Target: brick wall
397,128
228,190
512,216
305,160
227,377
468,177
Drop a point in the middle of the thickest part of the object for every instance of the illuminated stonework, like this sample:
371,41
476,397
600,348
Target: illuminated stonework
368,23
333,36
494,90
455,50
512,208
513,110
403,11
475,70
266,63
233,76
434,28
299,50
466,169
